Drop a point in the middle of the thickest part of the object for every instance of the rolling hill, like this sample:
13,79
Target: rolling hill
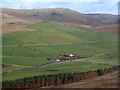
63,15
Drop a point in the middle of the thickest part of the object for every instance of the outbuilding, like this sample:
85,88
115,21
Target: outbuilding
58,60
71,55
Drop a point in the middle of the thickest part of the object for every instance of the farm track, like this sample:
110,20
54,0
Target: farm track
53,44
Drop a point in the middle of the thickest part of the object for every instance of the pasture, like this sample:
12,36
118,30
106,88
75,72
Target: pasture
31,48
63,67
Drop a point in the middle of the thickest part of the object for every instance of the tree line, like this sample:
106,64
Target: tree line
54,79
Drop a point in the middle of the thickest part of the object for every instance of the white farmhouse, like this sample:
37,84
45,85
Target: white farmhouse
71,55
58,60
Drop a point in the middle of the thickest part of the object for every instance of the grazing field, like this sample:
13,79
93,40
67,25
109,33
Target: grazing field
49,32
31,48
12,68
63,67
109,59
24,61
72,66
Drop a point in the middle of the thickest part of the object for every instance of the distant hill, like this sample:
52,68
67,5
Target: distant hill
109,28
63,15
105,19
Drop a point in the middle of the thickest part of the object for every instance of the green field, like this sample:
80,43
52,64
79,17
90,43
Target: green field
72,66
111,59
11,68
50,38
64,67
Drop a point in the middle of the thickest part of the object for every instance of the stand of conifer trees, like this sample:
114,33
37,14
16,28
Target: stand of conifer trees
54,79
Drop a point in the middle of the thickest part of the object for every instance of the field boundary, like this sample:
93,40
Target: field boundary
45,44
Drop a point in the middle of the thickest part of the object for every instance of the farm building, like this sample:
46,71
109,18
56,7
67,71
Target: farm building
64,57
71,55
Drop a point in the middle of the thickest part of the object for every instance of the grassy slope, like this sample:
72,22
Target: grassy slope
111,59
74,66
23,61
47,33
11,68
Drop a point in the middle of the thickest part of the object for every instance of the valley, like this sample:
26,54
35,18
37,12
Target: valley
28,40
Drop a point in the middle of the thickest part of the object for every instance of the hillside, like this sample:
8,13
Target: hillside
63,15
109,28
10,19
25,51
11,24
